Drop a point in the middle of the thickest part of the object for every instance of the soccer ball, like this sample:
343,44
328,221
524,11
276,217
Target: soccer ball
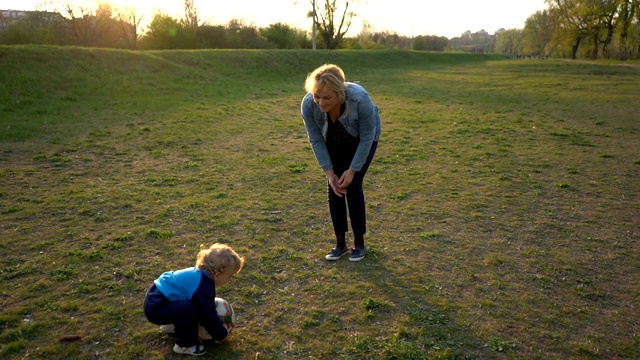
226,314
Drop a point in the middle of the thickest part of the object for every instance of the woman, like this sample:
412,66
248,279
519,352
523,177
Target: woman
343,126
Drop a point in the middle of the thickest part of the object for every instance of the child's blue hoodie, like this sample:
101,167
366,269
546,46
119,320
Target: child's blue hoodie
190,284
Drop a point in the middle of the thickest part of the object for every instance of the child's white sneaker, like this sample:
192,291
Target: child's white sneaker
195,350
169,329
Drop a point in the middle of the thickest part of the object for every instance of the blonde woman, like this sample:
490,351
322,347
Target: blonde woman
186,298
343,126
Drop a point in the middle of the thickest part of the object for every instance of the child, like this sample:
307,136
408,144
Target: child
186,298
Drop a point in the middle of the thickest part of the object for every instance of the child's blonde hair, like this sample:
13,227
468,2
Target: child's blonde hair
329,75
219,258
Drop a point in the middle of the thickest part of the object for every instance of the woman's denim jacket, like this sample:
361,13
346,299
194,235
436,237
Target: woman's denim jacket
360,118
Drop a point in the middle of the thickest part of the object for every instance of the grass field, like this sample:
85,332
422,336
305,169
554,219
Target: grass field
503,205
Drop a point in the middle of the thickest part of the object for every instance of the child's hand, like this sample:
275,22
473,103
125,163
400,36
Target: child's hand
229,328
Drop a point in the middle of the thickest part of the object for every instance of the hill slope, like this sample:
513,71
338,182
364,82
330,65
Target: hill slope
40,84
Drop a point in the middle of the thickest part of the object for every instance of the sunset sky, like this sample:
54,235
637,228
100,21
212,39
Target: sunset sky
436,17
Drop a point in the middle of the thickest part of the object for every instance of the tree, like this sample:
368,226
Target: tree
629,18
78,22
575,21
364,40
38,27
212,36
165,32
596,24
129,24
244,36
191,19
537,34
509,42
420,42
606,18
437,43
89,25
634,28
283,36
626,16
332,26
389,40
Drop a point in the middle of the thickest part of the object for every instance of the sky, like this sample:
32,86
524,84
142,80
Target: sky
449,18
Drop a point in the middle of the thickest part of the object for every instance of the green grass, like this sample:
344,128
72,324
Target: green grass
502,204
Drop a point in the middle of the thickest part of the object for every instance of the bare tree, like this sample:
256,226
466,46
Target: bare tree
78,20
191,14
89,24
130,21
331,24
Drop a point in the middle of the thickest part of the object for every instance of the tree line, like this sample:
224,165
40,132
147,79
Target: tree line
567,28
578,28
107,26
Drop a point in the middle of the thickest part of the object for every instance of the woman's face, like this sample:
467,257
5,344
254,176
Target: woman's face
326,99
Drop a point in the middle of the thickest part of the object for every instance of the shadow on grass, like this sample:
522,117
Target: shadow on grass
421,329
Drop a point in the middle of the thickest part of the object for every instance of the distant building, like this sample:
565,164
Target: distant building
10,17
482,33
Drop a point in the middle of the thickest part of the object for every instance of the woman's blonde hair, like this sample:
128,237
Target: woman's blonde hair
219,258
329,75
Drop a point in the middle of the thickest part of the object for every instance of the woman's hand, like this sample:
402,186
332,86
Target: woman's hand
346,179
334,182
